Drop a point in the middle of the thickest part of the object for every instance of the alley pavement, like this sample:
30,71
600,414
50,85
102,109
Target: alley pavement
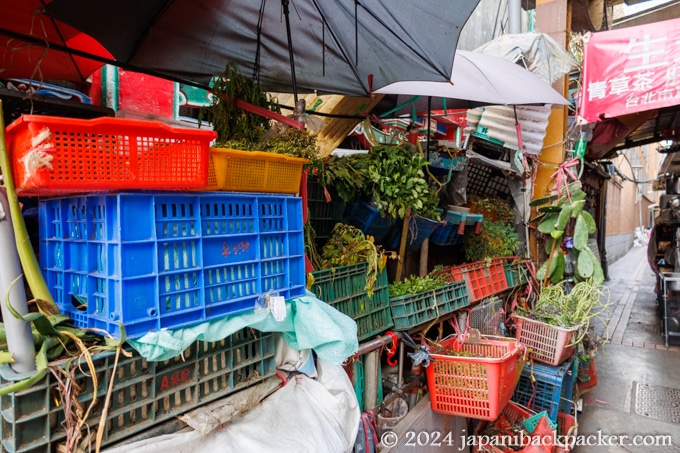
635,406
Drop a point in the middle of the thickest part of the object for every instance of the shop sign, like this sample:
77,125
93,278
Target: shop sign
631,70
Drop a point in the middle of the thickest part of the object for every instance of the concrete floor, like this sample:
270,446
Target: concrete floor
635,355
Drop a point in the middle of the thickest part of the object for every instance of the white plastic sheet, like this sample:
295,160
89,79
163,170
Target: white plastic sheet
306,415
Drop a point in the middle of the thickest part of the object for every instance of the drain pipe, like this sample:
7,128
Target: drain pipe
602,230
514,16
19,337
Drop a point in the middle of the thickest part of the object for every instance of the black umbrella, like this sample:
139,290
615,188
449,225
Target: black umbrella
336,46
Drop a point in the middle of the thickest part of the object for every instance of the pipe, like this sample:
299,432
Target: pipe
602,230
371,364
400,375
19,337
514,16
376,343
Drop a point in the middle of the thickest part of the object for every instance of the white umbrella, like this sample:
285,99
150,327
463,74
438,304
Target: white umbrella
478,80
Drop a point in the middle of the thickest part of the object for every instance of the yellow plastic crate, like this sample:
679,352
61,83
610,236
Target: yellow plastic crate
254,171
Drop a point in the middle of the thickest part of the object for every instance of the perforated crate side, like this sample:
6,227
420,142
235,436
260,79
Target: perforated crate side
452,297
109,154
546,391
488,316
413,310
168,260
548,344
145,393
319,207
485,180
344,288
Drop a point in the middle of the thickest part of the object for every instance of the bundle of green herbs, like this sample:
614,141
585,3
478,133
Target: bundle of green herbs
397,181
417,284
495,240
555,306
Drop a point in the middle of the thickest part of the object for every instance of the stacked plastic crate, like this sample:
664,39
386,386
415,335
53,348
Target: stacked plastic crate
167,258
129,238
548,383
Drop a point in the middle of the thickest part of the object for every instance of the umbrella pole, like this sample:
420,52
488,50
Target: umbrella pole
286,13
429,119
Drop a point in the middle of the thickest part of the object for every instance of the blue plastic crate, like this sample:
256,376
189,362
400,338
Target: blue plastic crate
455,217
471,219
446,234
420,228
552,385
370,221
167,260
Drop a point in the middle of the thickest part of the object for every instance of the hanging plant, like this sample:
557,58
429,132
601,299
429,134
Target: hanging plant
347,174
237,128
397,181
567,225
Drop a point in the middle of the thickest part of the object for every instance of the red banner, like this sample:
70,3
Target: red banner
631,70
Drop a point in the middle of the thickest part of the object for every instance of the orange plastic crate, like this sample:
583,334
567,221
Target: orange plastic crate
254,171
54,155
478,384
483,279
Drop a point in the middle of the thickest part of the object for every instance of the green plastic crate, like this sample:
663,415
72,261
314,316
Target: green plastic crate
343,288
323,215
413,310
144,393
516,274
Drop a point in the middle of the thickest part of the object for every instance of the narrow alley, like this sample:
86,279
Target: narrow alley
637,393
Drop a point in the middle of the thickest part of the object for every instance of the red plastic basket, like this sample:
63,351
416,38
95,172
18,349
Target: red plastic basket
54,155
549,344
477,385
567,429
513,414
483,278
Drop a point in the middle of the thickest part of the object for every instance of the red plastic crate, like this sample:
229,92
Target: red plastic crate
483,278
477,385
54,155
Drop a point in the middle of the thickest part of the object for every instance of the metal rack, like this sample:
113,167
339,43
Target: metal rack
668,279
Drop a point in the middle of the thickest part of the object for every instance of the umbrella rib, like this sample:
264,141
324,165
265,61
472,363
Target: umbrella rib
357,76
256,68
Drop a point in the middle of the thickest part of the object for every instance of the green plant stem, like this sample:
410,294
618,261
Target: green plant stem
29,263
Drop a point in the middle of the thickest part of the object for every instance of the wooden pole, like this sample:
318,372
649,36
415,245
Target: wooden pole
402,244
424,250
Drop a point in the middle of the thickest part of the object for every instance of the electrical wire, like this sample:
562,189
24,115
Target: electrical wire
628,178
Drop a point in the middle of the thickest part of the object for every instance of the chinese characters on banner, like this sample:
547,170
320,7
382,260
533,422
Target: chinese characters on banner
631,70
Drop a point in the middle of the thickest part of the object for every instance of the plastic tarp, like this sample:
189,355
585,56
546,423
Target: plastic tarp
306,415
309,324
540,53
